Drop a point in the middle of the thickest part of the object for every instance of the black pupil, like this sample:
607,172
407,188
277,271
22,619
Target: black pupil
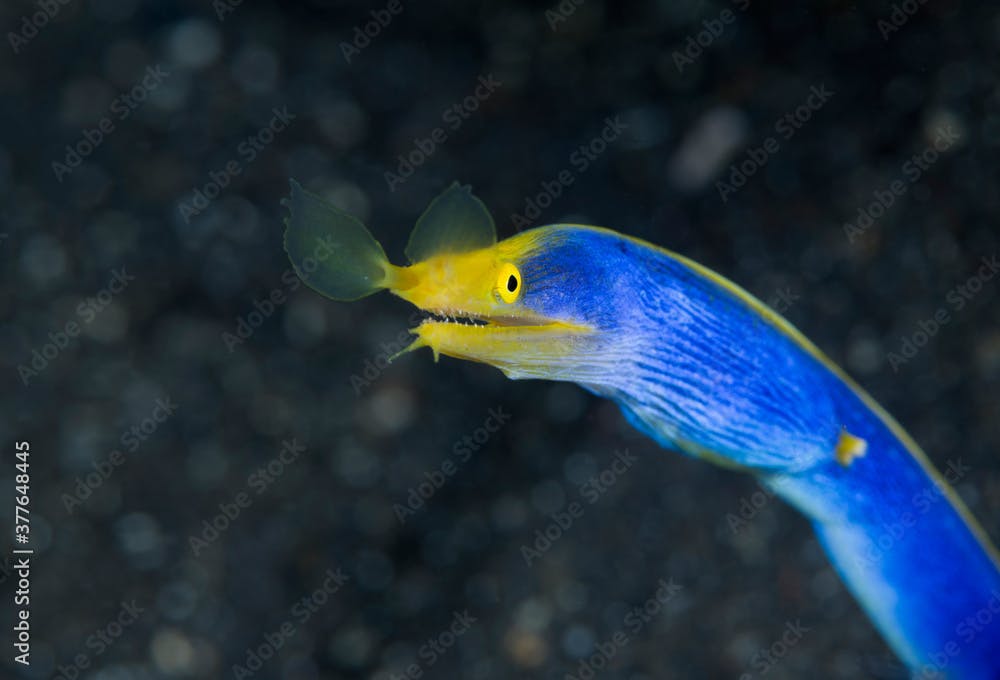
512,283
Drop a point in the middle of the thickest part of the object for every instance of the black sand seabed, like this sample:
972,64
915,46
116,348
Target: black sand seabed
226,479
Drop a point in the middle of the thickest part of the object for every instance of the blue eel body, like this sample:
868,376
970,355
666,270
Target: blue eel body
701,366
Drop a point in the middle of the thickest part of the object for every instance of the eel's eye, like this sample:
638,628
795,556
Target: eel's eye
509,283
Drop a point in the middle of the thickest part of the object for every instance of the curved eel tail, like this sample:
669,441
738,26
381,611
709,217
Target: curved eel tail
906,546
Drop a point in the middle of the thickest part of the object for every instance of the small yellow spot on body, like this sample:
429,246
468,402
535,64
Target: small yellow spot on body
849,447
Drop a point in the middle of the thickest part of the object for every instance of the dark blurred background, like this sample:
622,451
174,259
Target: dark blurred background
158,356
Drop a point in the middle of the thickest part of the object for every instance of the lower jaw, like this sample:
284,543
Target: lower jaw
500,345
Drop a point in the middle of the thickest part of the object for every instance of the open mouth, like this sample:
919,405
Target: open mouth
462,318
495,339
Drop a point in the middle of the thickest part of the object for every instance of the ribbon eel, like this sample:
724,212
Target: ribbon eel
702,367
